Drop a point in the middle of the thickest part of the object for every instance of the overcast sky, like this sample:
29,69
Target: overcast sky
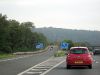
70,14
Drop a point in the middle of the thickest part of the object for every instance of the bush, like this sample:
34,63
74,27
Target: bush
59,54
5,49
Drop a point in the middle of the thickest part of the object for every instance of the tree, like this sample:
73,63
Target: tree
28,24
71,44
39,38
27,33
14,34
4,46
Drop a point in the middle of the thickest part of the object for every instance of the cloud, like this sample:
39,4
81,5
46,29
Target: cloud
73,13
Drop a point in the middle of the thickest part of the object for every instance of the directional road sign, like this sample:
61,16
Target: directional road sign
39,45
64,45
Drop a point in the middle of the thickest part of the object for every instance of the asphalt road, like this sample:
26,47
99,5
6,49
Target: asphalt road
61,69
17,65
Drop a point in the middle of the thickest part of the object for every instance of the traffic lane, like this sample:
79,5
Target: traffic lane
61,69
13,67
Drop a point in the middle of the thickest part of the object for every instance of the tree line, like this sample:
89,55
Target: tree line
16,36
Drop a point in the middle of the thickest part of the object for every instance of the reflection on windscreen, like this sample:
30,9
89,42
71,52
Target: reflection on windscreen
78,51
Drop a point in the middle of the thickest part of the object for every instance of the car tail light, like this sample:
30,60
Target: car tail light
89,56
68,56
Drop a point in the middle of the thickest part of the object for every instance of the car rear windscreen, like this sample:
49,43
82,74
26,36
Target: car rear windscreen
78,51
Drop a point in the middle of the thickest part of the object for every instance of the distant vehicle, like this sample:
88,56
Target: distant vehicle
96,51
79,56
51,48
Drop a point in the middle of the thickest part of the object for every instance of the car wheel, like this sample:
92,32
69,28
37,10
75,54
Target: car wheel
90,66
68,66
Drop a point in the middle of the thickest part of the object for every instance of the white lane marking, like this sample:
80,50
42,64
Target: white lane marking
33,72
33,67
97,62
38,69
52,68
42,67
15,58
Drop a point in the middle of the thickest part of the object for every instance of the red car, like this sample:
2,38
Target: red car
79,56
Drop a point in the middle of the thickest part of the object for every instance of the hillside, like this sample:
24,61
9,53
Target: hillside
53,34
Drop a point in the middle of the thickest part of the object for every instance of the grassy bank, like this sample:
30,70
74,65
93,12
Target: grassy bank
2,56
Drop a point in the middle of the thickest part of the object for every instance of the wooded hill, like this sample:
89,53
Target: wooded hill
93,37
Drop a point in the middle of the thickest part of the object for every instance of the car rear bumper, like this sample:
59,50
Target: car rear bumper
79,63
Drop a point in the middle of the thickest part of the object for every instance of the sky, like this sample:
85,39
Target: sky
68,14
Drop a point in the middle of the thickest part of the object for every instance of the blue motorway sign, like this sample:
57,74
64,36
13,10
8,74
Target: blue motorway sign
64,45
39,45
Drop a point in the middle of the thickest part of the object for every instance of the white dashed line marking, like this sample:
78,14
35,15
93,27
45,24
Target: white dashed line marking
44,67
97,62
33,72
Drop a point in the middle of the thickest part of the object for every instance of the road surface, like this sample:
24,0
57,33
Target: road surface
61,69
44,64
17,65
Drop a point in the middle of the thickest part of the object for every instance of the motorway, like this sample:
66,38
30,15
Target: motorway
61,69
53,66
17,65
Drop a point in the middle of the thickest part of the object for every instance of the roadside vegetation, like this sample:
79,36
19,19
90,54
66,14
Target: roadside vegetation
17,37
6,56
59,53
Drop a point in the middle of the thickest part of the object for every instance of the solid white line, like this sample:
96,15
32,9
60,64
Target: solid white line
52,68
32,67
38,69
43,67
33,72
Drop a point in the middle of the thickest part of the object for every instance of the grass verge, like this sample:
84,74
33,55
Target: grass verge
59,54
2,56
